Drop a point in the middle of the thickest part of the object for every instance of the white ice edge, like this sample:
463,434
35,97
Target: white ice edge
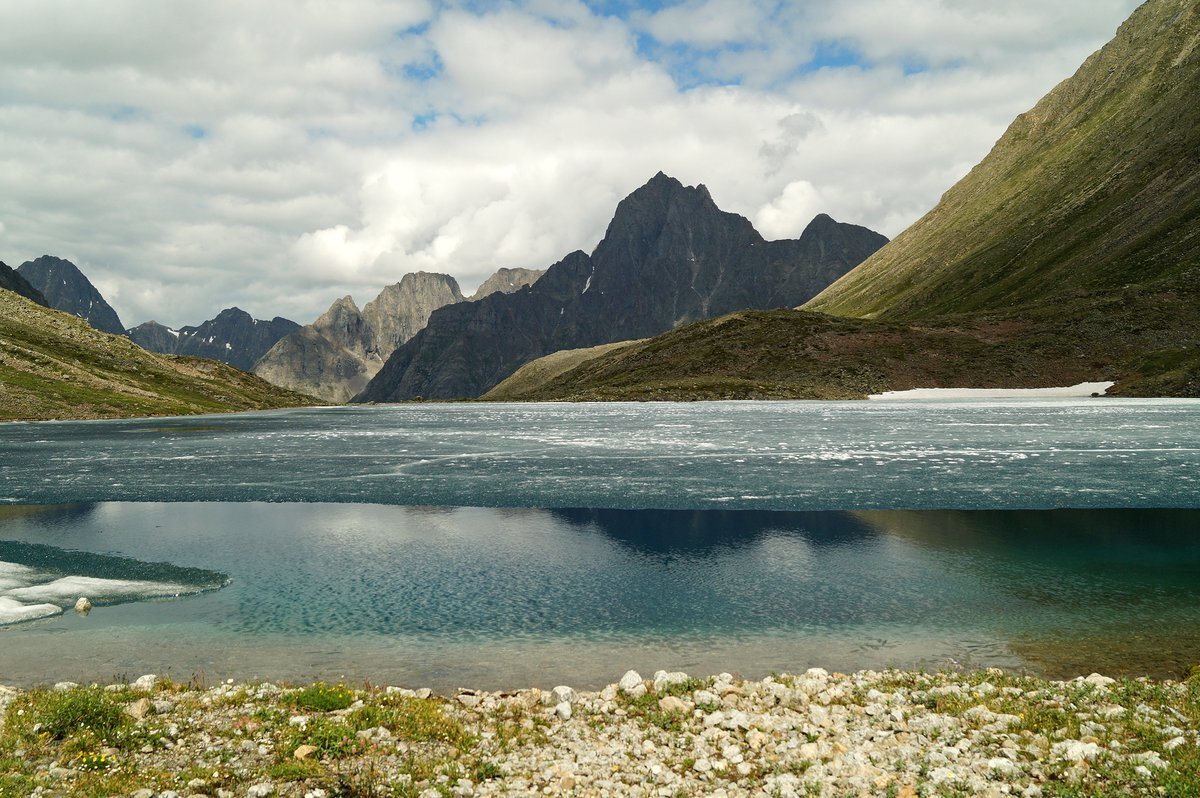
13,611
1083,389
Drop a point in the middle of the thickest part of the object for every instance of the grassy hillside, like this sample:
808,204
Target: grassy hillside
1146,341
53,365
1096,188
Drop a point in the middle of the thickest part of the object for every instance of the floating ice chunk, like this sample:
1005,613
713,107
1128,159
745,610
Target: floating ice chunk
67,589
13,611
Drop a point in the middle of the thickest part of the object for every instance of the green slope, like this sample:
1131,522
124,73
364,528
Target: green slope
54,365
1146,341
1096,188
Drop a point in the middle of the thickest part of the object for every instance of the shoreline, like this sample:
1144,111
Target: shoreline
894,733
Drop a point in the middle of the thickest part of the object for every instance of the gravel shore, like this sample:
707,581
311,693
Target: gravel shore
890,733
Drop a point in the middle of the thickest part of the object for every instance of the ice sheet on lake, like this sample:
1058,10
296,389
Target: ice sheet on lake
51,580
1072,391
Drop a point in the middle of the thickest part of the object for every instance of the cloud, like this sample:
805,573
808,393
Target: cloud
278,154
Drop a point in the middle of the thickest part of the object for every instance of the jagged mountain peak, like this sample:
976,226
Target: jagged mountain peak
66,288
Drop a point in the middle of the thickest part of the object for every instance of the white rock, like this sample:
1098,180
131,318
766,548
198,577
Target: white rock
563,694
1099,681
563,710
663,679
62,687
146,682
702,766
714,719
673,704
630,681
705,697
260,790
1150,759
1173,743
83,605
816,674
1001,765
1075,750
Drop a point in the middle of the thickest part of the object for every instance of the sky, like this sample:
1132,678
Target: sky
275,155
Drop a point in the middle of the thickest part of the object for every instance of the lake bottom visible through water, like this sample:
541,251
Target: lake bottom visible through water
507,598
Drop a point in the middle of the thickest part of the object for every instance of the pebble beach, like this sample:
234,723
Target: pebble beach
668,735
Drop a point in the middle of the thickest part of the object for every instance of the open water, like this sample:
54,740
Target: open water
437,544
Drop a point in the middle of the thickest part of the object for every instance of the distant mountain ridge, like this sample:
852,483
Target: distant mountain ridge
670,256
233,337
67,289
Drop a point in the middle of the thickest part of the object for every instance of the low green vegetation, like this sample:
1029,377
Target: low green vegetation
1080,738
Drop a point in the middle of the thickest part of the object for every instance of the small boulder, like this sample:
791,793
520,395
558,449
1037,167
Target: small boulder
563,694
83,606
630,681
139,709
674,705
663,679
563,711
146,682
304,751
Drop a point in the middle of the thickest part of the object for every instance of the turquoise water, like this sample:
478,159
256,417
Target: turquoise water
721,537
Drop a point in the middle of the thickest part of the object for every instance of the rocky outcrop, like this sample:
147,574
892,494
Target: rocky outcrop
10,280
233,337
66,288
670,256
337,355
507,281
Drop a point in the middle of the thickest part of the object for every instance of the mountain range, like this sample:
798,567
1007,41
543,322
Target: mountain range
669,256
337,355
233,337
1070,253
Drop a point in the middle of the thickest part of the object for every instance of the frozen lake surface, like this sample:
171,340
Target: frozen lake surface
1016,454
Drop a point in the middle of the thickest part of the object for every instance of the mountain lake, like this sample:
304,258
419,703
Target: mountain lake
510,545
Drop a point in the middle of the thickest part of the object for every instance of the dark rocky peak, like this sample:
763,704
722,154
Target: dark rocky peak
670,256
11,280
234,337
67,289
154,337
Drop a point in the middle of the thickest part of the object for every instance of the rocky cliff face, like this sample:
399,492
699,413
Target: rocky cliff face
507,281
670,256
10,280
67,289
336,356
402,309
233,337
